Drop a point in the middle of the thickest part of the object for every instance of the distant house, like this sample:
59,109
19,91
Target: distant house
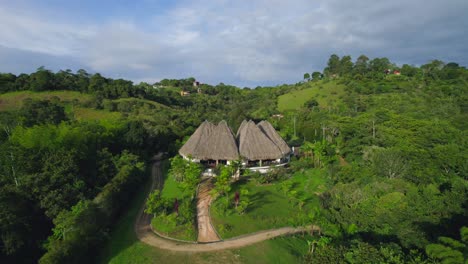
258,146
396,72
196,84
184,93
279,116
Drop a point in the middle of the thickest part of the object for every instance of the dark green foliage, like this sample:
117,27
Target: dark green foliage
311,103
79,232
41,80
35,112
7,82
449,250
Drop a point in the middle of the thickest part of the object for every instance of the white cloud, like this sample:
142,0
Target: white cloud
245,43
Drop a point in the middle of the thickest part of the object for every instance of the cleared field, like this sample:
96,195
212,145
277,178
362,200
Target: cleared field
93,114
326,94
14,100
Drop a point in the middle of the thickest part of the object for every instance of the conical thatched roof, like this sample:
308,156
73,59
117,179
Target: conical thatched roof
211,142
223,144
244,122
255,145
198,142
271,133
254,142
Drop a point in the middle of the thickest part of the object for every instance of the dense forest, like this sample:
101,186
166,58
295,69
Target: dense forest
391,139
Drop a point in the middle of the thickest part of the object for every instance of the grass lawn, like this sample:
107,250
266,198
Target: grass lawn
124,247
14,100
271,207
326,94
279,250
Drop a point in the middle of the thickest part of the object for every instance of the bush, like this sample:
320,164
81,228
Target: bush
276,174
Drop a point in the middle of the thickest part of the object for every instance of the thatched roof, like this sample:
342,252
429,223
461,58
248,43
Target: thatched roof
271,133
223,145
211,142
198,141
254,142
244,122
255,145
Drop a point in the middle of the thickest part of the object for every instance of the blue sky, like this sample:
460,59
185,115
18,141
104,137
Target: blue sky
245,43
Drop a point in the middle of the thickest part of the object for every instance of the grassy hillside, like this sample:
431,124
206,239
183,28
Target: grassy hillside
140,101
93,114
14,100
326,94
270,206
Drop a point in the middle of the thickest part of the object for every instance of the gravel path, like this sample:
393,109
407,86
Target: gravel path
147,236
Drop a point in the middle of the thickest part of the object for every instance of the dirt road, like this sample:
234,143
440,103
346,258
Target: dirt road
206,232
146,235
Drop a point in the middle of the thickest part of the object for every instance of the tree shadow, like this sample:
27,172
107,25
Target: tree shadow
258,200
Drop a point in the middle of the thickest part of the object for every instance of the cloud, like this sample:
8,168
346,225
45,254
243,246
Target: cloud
247,43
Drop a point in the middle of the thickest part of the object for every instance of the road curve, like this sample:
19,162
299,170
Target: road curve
147,236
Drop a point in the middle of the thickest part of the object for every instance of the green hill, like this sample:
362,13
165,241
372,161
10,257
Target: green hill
326,94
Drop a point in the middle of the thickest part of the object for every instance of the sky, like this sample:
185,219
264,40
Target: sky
247,43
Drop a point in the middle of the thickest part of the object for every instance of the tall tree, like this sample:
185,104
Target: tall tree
346,65
361,66
333,65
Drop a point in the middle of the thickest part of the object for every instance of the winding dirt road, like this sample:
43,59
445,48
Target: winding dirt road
147,236
206,231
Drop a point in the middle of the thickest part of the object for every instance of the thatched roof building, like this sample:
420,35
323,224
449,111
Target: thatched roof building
211,142
222,144
252,142
271,133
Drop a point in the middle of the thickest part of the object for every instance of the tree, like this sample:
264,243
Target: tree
7,82
361,66
346,66
333,66
312,103
223,180
15,221
379,65
155,203
433,69
306,76
35,112
389,163
41,80
177,170
191,178
408,70
449,250
316,76
96,83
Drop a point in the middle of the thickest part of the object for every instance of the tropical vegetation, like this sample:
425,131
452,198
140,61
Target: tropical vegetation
381,168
